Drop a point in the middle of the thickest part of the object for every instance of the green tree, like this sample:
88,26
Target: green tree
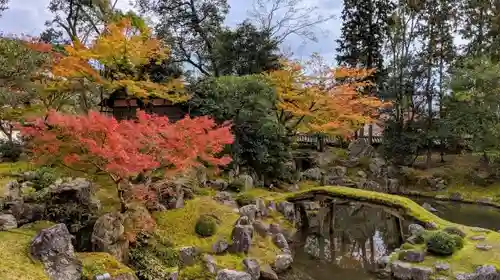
472,108
261,144
245,51
365,25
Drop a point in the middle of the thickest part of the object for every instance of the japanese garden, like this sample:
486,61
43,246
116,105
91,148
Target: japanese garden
166,142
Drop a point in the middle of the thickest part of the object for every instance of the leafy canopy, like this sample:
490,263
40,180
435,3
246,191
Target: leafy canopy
328,101
97,143
120,51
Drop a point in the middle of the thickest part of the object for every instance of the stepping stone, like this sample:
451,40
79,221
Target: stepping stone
477,229
477,237
484,247
442,267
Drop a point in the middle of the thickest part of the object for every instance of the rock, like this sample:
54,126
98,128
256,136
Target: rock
12,191
247,181
416,239
477,229
477,237
401,270
456,196
383,261
392,186
227,274
280,241
287,209
261,228
283,262
376,166
252,267
485,200
360,148
187,255
371,186
339,171
267,273
210,263
218,184
484,247
220,246
421,273
412,256
313,174
275,228
431,226
429,207
109,236
7,221
261,207
405,271
225,198
485,270
465,276
416,229
442,266
241,237
26,212
179,197
53,248
249,211
362,174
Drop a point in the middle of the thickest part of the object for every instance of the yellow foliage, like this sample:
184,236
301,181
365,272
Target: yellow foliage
122,49
328,101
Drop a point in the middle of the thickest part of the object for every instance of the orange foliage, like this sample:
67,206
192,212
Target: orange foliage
329,101
121,47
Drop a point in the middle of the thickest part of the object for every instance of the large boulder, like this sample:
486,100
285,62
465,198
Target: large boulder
241,237
7,221
360,148
53,248
227,274
252,267
109,236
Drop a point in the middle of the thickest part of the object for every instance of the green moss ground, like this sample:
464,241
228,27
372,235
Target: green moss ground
177,227
464,260
99,263
6,169
15,262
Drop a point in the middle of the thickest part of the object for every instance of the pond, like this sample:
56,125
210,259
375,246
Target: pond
362,235
465,213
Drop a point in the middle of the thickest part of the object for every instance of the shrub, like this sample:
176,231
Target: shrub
245,199
206,226
10,151
44,177
441,243
459,241
237,185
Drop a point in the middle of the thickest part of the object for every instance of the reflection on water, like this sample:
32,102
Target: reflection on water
467,214
349,245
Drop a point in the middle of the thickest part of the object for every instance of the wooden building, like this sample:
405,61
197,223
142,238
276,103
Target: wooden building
122,107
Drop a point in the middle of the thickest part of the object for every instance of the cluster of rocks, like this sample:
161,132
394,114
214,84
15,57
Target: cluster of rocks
376,173
69,201
54,249
248,224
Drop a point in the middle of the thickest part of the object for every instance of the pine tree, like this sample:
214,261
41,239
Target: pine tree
364,28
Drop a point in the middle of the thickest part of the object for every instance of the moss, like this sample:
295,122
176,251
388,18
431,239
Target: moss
6,171
206,226
463,260
195,272
100,263
16,264
178,228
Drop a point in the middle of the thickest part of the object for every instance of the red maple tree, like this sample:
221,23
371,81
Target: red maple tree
95,143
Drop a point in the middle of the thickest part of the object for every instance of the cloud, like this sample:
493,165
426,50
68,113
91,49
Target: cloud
28,17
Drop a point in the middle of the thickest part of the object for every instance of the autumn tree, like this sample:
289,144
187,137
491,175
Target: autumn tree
116,60
96,143
320,103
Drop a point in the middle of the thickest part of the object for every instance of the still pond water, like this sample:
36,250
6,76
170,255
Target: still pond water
363,234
